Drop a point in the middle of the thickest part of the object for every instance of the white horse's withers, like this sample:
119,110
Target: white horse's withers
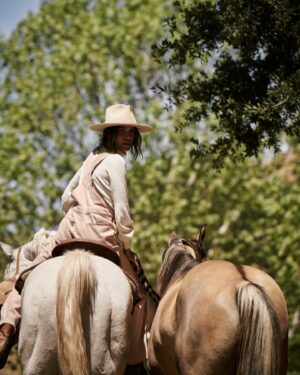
76,317
21,257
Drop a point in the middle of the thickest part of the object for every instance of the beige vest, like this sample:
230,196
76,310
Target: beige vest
90,218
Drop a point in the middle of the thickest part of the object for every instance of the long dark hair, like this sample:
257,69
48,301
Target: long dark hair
108,141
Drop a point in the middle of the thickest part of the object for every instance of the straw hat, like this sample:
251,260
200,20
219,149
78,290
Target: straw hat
120,115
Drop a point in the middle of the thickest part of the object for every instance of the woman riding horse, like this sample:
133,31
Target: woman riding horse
96,207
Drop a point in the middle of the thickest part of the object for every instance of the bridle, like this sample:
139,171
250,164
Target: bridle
18,261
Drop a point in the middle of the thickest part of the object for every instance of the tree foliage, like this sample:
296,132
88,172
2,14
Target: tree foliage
236,61
252,212
60,69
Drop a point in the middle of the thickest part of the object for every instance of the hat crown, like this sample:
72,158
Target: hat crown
119,113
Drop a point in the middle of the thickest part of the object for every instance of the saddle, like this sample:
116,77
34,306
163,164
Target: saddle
92,246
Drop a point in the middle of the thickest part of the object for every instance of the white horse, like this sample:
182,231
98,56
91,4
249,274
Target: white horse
76,317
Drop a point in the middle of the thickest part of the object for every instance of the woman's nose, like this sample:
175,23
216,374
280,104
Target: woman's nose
128,136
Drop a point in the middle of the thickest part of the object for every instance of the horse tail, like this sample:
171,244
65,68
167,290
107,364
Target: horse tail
259,345
76,288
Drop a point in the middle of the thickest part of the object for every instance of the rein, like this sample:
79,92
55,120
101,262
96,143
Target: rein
18,261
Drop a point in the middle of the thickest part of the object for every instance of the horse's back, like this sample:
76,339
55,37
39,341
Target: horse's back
221,279
219,274
109,323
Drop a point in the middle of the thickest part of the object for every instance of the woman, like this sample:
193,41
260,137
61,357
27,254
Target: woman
96,207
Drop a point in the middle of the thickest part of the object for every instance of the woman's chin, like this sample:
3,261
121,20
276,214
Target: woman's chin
125,149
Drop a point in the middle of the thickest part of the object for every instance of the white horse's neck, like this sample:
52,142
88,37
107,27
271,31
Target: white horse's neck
28,252
40,240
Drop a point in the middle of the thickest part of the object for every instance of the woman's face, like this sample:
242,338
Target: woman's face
125,138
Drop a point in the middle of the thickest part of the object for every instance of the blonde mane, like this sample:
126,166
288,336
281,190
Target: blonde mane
40,240
28,252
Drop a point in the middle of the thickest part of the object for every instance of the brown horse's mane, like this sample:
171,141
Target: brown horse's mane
177,262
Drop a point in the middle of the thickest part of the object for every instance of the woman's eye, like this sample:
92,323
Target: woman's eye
124,132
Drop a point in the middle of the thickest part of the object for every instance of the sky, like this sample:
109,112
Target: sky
13,11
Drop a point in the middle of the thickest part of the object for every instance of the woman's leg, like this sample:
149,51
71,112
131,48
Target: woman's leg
10,319
11,309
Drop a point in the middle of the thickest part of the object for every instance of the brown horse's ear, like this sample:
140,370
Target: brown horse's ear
173,237
201,234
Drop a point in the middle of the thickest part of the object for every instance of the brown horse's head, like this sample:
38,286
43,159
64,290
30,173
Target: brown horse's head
180,256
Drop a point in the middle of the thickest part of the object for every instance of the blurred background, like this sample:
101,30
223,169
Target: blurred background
219,82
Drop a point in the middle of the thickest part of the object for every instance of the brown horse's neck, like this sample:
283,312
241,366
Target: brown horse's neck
177,263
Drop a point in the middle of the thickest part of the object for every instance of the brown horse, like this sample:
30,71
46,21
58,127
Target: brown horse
215,317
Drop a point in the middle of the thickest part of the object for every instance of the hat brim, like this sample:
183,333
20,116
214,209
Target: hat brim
100,127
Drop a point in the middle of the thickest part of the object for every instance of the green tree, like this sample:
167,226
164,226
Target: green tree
238,62
251,210
60,68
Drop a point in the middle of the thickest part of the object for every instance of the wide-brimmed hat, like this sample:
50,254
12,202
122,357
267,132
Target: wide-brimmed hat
120,115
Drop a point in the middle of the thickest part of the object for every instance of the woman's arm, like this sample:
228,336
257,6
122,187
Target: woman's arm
116,169
66,199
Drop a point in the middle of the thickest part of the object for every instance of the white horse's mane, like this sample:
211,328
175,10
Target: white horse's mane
40,240
29,251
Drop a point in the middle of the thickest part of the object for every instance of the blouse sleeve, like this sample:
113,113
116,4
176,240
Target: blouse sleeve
117,175
66,199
